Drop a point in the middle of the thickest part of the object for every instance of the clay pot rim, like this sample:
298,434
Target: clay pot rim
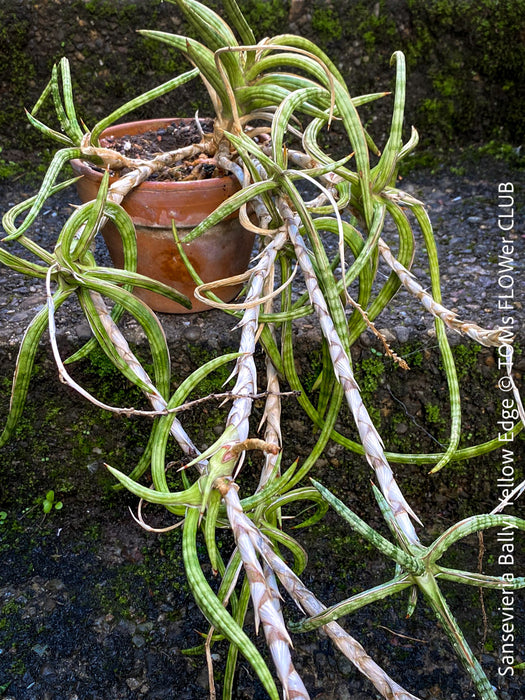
85,167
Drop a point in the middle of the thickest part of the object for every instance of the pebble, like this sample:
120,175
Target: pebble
40,649
83,331
133,683
138,640
365,339
20,316
466,256
388,335
47,671
193,333
402,333
127,626
145,627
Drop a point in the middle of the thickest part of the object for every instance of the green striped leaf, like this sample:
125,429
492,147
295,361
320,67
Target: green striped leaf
213,609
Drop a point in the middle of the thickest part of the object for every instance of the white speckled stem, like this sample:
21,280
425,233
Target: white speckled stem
490,337
155,398
350,647
265,596
246,384
370,438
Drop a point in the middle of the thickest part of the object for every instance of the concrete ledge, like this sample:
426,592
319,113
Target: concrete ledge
464,212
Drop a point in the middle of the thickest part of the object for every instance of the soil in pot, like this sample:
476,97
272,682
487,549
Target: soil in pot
185,194
164,139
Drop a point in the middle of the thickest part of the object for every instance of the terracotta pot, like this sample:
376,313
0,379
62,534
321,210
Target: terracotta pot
221,252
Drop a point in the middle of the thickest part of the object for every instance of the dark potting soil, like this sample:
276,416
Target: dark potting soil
169,138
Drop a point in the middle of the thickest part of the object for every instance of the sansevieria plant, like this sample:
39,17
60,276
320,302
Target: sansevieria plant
274,102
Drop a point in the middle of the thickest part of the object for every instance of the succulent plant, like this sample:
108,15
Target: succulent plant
274,102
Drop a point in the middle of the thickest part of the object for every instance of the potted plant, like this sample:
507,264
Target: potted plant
182,193
273,102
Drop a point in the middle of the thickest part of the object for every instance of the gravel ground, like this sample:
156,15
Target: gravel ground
464,213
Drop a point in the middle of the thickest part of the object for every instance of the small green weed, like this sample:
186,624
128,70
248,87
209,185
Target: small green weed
49,503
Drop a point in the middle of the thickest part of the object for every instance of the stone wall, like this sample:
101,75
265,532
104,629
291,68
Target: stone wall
465,60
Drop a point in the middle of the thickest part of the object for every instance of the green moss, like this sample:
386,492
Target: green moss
377,29
266,17
326,24
137,591
213,383
9,169
11,623
433,414
311,375
125,12
501,151
17,67
474,87
18,667
413,355
161,58
343,544
470,57
8,609
466,358
368,373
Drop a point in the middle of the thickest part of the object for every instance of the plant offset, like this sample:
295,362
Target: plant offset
274,103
